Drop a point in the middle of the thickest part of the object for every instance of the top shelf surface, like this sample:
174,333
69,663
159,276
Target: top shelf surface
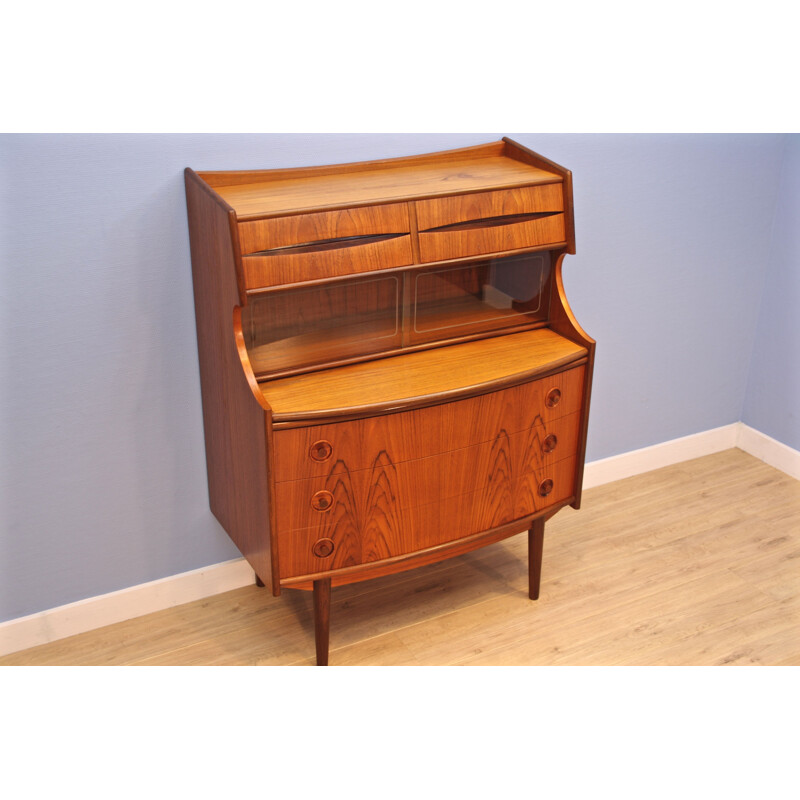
414,379
253,195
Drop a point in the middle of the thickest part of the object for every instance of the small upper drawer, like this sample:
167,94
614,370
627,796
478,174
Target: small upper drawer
442,211
324,245
307,229
489,222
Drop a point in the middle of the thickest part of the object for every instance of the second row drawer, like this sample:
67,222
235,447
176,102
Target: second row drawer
321,450
305,503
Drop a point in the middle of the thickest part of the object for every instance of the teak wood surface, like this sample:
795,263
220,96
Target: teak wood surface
266,195
235,422
421,432
445,244
368,525
486,205
268,234
258,195
285,267
436,481
440,373
419,481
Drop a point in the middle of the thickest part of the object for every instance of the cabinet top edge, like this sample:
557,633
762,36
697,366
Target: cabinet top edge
256,194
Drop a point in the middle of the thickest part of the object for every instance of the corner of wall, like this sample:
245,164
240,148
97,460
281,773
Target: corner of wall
772,390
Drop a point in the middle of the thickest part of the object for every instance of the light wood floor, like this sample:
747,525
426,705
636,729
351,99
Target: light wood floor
693,564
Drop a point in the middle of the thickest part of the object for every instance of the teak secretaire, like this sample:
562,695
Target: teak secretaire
391,373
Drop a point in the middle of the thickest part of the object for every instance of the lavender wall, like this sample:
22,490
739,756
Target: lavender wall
102,477
772,401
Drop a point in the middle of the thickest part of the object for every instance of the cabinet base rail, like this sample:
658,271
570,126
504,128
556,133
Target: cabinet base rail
430,555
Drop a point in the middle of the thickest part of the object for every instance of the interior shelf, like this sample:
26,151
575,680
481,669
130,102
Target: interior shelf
335,339
460,311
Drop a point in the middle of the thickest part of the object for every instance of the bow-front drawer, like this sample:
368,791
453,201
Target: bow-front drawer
320,450
490,222
354,532
307,247
404,484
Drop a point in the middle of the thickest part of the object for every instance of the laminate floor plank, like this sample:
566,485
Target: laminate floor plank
765,636
697,563
577,627
386,650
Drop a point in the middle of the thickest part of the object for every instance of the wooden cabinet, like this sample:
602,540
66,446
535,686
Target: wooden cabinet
391,373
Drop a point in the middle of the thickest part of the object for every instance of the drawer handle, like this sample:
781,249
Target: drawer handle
491,222
321,450
323,548
322,501
549,444
553,398
323,245
545,487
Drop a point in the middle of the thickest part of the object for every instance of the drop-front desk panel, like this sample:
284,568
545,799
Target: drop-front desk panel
391,373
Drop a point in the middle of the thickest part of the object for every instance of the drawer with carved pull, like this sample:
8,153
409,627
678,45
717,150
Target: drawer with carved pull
322,450
307,247
353,533
386,509
490,222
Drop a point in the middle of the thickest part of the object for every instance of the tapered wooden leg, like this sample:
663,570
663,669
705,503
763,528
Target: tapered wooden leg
259,582
535,546
322,619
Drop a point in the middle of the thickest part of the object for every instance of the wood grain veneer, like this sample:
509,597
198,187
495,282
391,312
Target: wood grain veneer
519,152
508,202
239,177
435,429
280,195
446,244
285,267
265,234
422,480
437,373
429,555
563,321
388,531
235,416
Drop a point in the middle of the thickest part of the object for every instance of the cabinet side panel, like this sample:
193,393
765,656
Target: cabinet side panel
563,322
520,152
235,423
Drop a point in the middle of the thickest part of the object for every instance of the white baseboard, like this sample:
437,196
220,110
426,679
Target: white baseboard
635,462
136,601
769,450
107,609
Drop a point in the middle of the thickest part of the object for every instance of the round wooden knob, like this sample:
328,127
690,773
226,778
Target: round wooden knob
549,444
323,548
553,398
322,501
321,450
545,487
